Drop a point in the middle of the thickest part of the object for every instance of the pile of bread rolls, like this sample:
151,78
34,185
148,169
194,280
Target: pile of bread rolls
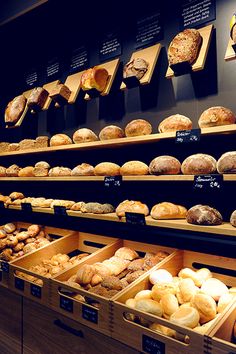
193,299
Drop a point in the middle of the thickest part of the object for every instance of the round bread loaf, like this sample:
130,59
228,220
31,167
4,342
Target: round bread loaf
59,171
205,306
26,172
60,139
198,164
174,123
233,218
97,208
42,164
16,195
84,135
133,168
186,316
227,163
169,304
138,127
164,165
214,288
12,171
15,109
2,171
168,210
107,169
84,169
203,215
136,67
111,132
216,116
131,206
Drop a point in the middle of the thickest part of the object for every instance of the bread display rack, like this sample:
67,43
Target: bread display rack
230,53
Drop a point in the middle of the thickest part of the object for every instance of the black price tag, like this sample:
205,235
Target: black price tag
19,284
208,182
149,30
135,218
5,267
90,314
110,46
59,210
79,60
188,136
2,206
197,12
112,181
27,207
152,346
66,304
36,291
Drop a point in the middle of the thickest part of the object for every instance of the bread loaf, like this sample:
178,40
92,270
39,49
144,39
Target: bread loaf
12,171
174,123
131,206
107,169
169,304
111,132
60,139
26,172
184,47
136,67
65,203
164,165
233,218
149,306
4,147
84,135
186,316
198,164
59,171
160,276
96,78
77,206
41,169
16,195
41,142
133,168
138,127
216,116
14,110
26,144
97,208
168,210
14,147
37,98
214,288
227,163
84,169
3,171
126,253
203,215
60,93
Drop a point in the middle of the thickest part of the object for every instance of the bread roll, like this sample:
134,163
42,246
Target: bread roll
107,169
206,307
174,123
186,316
143,294
189,273
95,77
9,228
164,165
136,67
131,206
160,276
169,304
2,171
203,215
111,132
14,147
126,253
12,171
84,169
224,301
60,139
26,172
160,289
215,288
168,210
59,171
198,164
134,168
227,163
15,109
204,274
216,116
26,144
84,135
187,289
41,142
131,303
150,306
42,164
138,127
16,195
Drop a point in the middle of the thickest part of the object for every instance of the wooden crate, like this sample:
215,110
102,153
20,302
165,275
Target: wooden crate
144,339
98,318
73,242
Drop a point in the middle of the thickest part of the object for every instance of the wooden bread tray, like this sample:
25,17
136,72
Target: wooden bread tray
97,318
144,339
70,244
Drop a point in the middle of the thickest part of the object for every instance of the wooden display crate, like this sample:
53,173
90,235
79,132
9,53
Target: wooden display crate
96,317
72,244
145,339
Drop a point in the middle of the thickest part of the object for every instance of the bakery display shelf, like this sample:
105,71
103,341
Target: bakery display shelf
225,229
111,67
149,54
73,83
122,142
49,87
230,53
199,64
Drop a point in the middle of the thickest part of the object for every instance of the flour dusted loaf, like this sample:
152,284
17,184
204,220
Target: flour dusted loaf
37,98
174,123
14,110
198,164
203,215
60,139
97,208
164,165
41,169
94,78
84,135
216,116
184,47
12,171
26,172
233,218
84,169
133,168
59,171
136,67
2,171
168,210
138,127
111,132
227,163
131,206
107,169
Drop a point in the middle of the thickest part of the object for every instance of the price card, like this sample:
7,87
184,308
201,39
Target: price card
36,291
149,30
112,181
90,314
188,136
135,218
208,182
19,284
5,267
27,207
110,46
197,12
79,60
152,346
59,210
66,304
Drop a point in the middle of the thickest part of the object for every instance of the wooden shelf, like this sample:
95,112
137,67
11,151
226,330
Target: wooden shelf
49,87
230,53
73,83
116,143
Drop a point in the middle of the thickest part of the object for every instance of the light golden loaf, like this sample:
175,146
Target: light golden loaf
84,169
187,289
143,294
138,127
215,288
189,273
165,165
149,306
216,116
96,78
174,123
111,132
134,168
169,304
160,276
107,169
126,253
206,307
131,206
186,316
26,172
60,139
224,301
168,210
84,135
160,289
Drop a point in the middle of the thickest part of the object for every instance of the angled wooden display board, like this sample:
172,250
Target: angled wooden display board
73,83
206,33
230,52
49,87
151,55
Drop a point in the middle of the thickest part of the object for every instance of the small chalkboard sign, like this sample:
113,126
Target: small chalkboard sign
79,59
59,210
90,314
149,30
2,206
110,46
135,218
19,284
188,136
5,267
36,291
27,207
195,13
152,346
208,182
112,181
66,304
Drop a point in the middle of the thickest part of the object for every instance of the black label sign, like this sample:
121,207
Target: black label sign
36,291
27,207
53,68
152,346
19,284
149,30
31,78
5,267
188,136
90,314
135,218
2,206
59,210
208,182
109,46
79,60
112,181
197,12
66,304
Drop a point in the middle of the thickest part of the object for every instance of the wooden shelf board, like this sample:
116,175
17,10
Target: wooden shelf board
206,33
230,53
49,87
73,83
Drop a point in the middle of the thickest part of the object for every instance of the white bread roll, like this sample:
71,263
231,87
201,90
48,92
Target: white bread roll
161,289
189,273
150,306
160,276
131,303
169,304
204,274
143,294
224,301
186,316
187,289
206,307
215,288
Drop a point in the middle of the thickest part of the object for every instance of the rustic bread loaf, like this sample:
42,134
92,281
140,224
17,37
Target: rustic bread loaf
95,77
131,206
97,208
27,144
233,218
60,93
227,163
164,165
107,169
26,172
174,123
133,168
12,171
59,171
84,135
60,139
138,127
14,109
84,169
168,210
203,215
111,132
136,67
4,147
41,142
41,169
3,171
216,116
37,98
14,147
198,164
